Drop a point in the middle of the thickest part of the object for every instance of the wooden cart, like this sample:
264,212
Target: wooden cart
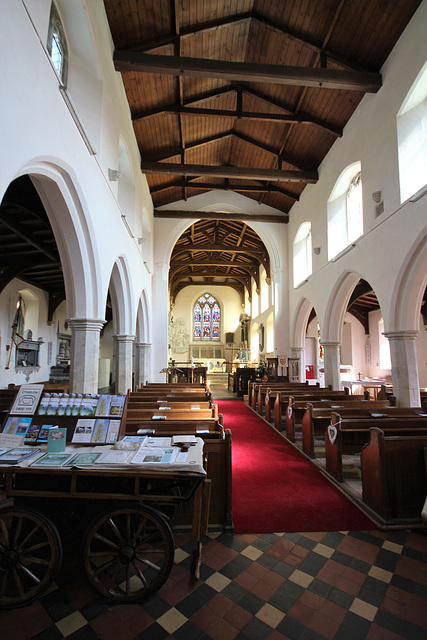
127,550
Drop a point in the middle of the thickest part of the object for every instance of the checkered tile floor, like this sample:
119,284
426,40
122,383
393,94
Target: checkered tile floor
311,586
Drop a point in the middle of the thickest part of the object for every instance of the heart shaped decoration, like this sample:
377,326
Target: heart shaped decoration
332,433
289,412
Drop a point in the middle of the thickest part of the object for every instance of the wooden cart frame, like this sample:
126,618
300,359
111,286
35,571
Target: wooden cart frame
128,548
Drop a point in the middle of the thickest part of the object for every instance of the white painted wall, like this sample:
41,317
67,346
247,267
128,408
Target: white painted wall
383,253
39,137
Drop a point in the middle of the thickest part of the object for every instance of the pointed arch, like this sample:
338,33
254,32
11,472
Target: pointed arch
409,289
65,207
299,324
143,328
124,322
336,307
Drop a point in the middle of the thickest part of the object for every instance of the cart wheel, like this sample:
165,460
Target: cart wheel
30,555
128,553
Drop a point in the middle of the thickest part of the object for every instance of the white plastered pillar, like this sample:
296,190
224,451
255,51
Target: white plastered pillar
159,350
280,316
124,362
331,351
84,354
142,363
404,367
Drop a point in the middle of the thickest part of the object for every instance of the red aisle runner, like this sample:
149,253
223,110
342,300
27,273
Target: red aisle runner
275,489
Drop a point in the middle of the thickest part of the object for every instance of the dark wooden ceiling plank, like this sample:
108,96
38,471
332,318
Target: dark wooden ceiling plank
212,186
243,18
307,118
367,82
209,215
22,233
245,173
300,117
178,151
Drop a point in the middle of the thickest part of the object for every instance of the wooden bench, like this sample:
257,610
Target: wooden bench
394,476
168,396
349,436
315,420
285,403
259,391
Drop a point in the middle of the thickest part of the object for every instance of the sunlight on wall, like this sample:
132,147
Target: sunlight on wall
385,358
264,290
254,346
270,333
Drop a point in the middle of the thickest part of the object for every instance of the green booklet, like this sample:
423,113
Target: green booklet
56,439
52,460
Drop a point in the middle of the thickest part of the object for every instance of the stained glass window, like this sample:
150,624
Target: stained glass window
206,318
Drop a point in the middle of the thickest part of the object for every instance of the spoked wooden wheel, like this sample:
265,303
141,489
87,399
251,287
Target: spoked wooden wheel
128,553
30,555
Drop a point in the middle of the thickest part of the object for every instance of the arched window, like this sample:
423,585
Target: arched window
302,253
345,210
57,45
206,318
411,124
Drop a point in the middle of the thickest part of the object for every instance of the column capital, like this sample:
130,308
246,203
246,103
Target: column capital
85,324
405,334
330,343
124,337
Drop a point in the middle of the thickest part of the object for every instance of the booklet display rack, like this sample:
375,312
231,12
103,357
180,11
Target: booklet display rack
88,418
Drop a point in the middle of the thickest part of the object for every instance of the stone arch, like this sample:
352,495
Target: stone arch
299,324
124,321
177,229
143,326
336,307
65,208
409,289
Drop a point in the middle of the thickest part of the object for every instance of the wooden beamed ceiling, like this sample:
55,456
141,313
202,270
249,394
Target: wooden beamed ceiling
246,96
242,95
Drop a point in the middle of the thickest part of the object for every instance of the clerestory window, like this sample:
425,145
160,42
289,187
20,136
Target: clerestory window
412,139
57,45
345,210
302,258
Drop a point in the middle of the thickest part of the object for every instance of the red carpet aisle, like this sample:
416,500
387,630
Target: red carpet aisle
275,489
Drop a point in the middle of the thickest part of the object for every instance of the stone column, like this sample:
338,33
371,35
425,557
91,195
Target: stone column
298,352
404,367
84,354
124,362
331,351
141,373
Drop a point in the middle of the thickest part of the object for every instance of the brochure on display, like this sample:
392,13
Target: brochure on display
77,404
153,453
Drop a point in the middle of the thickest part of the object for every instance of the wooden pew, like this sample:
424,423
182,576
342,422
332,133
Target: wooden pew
259,391
256,388
297,408
394,476
168,396
349,436
157,415
315,420
288,403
